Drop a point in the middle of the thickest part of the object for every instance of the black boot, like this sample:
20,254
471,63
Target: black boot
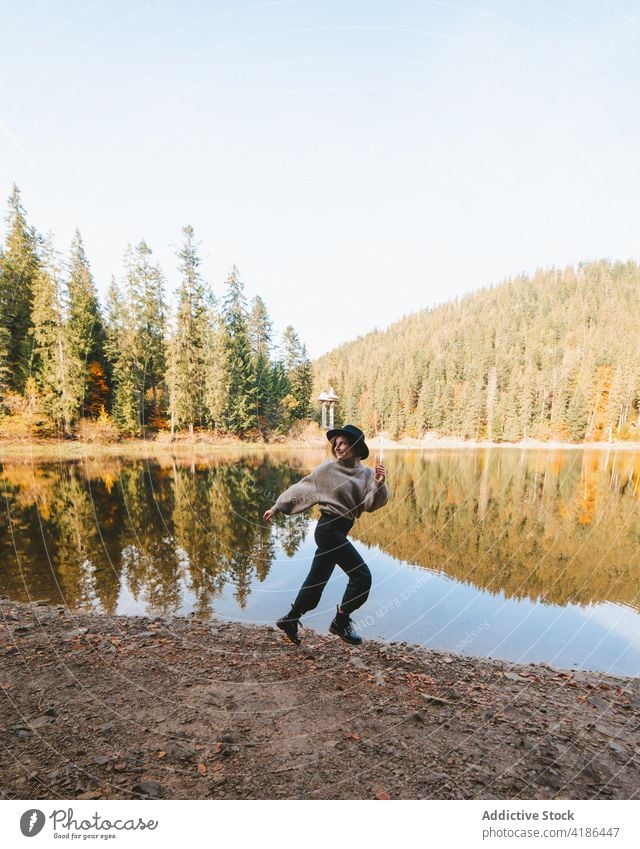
289,624
342,627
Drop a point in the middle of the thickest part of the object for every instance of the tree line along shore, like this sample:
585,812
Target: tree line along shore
72,367
548,358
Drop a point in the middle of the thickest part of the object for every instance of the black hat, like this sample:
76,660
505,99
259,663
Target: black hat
353,435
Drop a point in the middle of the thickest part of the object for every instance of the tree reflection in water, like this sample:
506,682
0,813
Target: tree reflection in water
552,525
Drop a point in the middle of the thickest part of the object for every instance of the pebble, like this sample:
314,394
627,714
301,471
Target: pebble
77,632
513,676
150,789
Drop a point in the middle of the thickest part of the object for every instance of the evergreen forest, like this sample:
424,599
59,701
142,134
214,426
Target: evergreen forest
553,356
70,365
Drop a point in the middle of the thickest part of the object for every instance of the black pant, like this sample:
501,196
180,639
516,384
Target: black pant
334,547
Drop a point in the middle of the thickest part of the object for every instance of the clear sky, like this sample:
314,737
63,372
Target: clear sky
358,160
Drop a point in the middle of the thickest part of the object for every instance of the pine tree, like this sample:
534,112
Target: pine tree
136,342
121,349
216,388
240,415
19,267
278,414
304,384
299,374
5,339
188,346
55,369
259,329
85,333
145,283
576,416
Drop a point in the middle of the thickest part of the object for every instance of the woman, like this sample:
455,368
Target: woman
344,489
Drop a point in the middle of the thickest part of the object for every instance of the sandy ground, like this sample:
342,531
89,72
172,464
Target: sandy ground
102,707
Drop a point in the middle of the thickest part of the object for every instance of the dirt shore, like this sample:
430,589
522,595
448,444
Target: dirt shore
203,446
103,707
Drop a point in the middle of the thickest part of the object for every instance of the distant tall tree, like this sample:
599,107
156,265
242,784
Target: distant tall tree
136,341
5,338
121,348
85,332
299,374
19,267
55,370
189,343
278,415
577,416
259,329
492,388
240,415
216,387
145,284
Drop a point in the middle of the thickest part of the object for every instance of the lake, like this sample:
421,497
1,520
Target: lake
523,555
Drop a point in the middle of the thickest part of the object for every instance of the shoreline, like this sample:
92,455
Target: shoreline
202,447
527,445
111,707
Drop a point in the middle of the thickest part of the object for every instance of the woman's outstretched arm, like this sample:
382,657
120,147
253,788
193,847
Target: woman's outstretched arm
298,498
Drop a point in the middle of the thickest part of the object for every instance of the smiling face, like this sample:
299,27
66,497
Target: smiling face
342,450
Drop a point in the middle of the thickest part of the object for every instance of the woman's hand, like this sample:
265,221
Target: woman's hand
380,473
268,515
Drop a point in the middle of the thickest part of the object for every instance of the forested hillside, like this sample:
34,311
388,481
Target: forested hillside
552,356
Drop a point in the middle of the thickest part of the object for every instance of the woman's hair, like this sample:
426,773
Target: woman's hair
357,447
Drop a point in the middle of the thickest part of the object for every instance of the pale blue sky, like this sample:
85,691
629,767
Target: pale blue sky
357,160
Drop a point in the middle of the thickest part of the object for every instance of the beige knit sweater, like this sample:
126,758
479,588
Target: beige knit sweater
339,489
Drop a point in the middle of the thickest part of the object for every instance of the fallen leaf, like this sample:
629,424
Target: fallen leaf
352,735
202,769
162,754
382,794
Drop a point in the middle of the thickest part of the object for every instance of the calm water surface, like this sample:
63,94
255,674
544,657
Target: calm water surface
527,556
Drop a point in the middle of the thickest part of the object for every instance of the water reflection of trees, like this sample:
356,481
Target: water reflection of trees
84,533
560,526
51,542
